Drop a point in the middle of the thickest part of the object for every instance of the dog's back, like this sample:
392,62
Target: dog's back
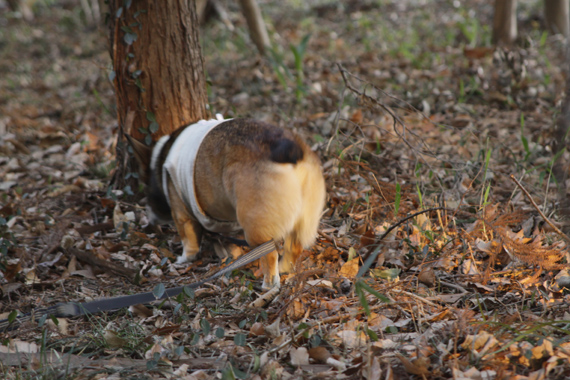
273,183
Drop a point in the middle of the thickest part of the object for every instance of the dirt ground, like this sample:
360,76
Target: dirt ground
411,109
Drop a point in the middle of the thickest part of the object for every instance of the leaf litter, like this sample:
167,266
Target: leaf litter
476,289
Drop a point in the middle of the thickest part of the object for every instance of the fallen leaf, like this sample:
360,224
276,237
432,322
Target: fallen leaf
352,339
140,311
299,356
427,277
350,268
273,330
320,354
372,371
418,366
257,329
31,278
543,351
11,269
113,340
357,116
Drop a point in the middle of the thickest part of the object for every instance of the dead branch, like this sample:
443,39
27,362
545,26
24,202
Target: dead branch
129,274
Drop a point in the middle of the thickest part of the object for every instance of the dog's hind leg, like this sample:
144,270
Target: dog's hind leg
292,249
189,230
270,262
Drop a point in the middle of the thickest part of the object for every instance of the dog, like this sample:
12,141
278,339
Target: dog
235,174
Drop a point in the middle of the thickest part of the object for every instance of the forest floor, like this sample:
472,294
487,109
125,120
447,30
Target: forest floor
409,106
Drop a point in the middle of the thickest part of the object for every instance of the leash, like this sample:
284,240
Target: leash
72,309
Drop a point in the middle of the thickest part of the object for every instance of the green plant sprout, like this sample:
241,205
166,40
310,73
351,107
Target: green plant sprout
282,72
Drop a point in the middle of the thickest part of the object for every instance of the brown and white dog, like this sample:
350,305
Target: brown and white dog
235,174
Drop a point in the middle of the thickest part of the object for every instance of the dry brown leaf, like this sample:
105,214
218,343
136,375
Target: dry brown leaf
11,269
427,277
62,326
320,354
543,351
373,370
257,329
296,309
299,356
444,315
477,52
350,268
273,330
272,370
141,311
32,278
357,116
418,366
156,348
114,340
353,339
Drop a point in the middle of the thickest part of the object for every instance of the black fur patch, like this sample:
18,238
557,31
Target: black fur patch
157,200
285,151
155,193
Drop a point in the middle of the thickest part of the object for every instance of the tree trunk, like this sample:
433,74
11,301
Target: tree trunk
22,7
560,143
256,25
556,16
158,65
505,21
158,68
201,10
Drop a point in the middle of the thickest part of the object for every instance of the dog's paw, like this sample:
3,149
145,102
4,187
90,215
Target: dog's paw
182,260
270,282
186,258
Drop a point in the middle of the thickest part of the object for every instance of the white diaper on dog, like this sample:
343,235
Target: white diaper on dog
180,166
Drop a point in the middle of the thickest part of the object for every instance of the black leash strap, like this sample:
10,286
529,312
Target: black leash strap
72,309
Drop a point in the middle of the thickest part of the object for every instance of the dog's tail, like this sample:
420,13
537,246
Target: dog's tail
286,151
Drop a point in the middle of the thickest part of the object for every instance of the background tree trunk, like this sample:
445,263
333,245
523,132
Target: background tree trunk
505,21
256,25
559,143
556,16
158,67
23,7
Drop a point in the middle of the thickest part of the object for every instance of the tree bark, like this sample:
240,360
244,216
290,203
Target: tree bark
505,21
158,70
556,16
560,143
256,25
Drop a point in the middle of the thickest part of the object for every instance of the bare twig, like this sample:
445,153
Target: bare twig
416,297
336,120
526,193
396,119
421,148
325,321
129,274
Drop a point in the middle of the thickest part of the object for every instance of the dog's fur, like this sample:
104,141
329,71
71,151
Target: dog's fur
263,177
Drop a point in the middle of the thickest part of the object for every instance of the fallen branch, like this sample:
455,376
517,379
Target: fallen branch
266,298
89,258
